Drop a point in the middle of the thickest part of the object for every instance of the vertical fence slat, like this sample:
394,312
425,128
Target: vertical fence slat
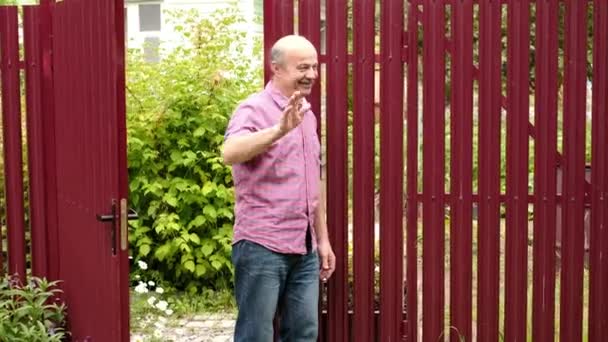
391,168
461,171
35,134
575,60
309,21
518,45
363,170
45,28
489,170
412,174
13,160
337,156
545,172
278,22
434,169
598,299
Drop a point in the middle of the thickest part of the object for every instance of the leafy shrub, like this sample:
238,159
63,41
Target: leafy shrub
178,110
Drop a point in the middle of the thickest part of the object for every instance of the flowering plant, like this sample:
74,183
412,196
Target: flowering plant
157,309
29,312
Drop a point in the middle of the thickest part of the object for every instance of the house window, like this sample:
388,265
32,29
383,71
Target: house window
149,17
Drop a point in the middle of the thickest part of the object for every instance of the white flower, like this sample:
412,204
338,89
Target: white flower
162,305
141,288
152,300
137,276
158,333
151,283
162,319
159,325
169,312
142,265
159,290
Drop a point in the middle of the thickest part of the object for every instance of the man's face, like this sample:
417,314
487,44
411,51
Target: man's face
298,71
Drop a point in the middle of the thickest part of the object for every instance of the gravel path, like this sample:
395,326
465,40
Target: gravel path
200,328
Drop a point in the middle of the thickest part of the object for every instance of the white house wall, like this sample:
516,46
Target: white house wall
167,34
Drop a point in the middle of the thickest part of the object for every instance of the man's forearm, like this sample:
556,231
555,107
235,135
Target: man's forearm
243,148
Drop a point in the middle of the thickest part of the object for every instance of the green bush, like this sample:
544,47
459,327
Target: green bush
27,314
178,110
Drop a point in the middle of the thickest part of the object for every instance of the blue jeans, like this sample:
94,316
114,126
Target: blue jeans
266,281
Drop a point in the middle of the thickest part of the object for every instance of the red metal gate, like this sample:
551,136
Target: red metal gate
481,103
76,156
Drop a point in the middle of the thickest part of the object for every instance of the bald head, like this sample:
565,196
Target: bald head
293,60
287,45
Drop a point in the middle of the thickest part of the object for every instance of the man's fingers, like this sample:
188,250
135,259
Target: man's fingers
304,108
325,264
295,98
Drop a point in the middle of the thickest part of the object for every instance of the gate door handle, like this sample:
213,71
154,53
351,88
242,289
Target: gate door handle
125,215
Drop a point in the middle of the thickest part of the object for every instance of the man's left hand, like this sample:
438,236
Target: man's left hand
328,260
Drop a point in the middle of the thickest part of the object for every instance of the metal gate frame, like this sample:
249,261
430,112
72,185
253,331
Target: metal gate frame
41,47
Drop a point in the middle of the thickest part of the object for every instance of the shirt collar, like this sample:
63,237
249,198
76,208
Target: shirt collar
278,97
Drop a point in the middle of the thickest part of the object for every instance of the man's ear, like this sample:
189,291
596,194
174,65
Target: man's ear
275,68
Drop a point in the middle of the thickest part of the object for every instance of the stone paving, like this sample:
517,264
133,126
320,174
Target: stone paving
200,328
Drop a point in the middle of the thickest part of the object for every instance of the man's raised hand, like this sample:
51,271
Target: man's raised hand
293,115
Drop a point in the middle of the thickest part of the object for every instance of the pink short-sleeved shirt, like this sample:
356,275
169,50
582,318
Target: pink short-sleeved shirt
277,192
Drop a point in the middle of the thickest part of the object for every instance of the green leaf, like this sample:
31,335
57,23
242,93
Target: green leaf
144,250
207,249
198,221
200,270
216,264
208,188
170,199
194,238
189,265
176,157
162,251
226,213
209,210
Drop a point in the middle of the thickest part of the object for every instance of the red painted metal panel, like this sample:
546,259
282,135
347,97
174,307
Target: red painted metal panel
489,170
545,174
461,172
278,22
434,170
88,81
35,134
598,299
412,175
337,152
363,171
574,171
11,129
391,168
309,21
518,43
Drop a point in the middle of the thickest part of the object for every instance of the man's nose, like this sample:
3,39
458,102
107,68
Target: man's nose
311,73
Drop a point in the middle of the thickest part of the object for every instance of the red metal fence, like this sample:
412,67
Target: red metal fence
483,105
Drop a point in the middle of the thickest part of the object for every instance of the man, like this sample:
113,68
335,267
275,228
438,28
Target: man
281,247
